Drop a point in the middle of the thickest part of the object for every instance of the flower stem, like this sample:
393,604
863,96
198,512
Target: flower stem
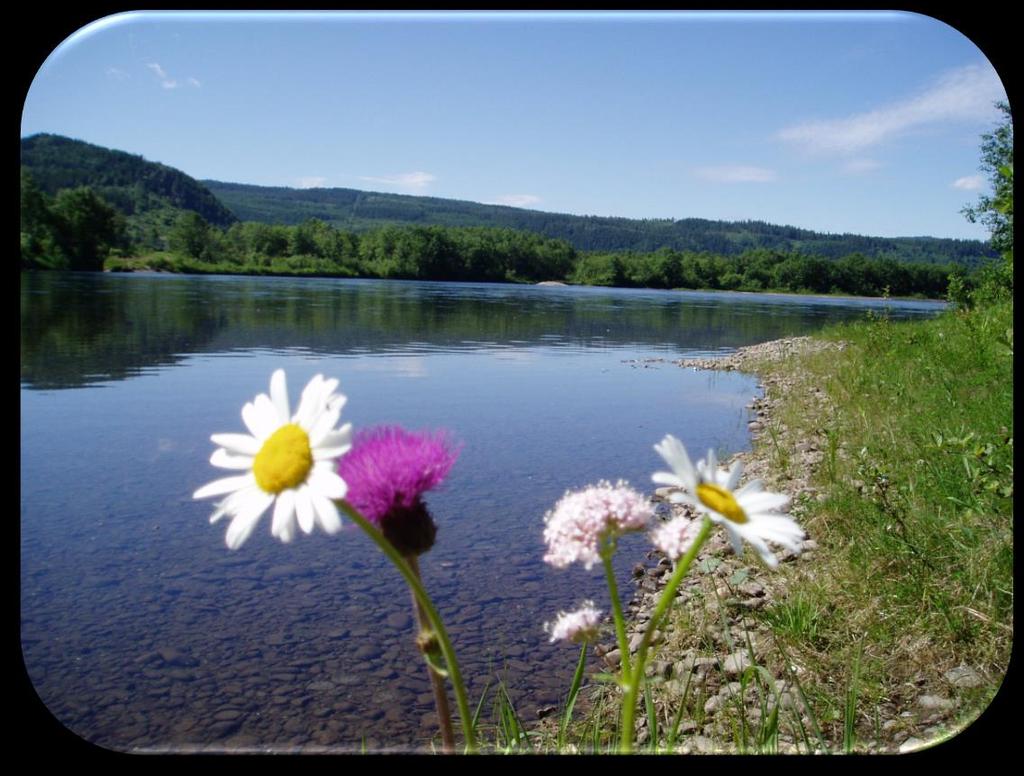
430,611
444,715
662,607
620,623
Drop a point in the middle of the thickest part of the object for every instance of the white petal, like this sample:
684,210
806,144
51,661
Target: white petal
326,483
672,450
734,475
245,521
730,528
257,420
225,460
236,502
251,418
781,530
237,443
309,403
664,478
761,501
279,396
329,453
762,549
754,486
340,438
326,513
682,497
304,510
283,525
228,505
328,388
334,444
267,414
323,425
225,485
711,465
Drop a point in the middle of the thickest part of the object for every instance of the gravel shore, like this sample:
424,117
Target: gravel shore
705,664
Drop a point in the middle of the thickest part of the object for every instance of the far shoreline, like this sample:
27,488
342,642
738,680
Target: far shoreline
122,270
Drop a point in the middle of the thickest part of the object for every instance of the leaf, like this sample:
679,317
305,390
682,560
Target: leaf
708,565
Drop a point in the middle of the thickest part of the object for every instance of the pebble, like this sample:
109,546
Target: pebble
287,570
736,663
911,744
173,656
934,702
964,676
546,711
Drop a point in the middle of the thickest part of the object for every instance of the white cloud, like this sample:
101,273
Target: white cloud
967,93
310,182
735,173
118,73
969,183
409,180
165,79
517,200
861,166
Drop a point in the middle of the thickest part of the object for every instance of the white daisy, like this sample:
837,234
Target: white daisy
289,459
748,514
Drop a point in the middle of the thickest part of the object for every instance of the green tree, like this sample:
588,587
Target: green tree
996,210
39,246
190,235
86,227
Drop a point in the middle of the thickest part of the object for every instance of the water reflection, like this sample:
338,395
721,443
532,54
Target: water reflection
80,329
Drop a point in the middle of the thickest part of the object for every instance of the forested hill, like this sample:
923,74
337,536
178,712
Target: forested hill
153,195
359,211
128,182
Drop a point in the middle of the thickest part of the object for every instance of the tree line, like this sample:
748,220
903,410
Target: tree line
362,211
77,229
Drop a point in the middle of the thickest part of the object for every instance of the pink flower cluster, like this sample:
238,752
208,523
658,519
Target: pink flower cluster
582,520
581,625
675,536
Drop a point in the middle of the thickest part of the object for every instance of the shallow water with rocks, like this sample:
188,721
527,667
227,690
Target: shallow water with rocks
140,631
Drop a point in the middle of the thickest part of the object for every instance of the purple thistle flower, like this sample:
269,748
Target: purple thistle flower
387,471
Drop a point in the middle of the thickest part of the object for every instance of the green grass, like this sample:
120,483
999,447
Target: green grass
914,575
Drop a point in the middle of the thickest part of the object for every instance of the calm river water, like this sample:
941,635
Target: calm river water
141,631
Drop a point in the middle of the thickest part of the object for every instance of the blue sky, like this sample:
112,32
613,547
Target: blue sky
865,123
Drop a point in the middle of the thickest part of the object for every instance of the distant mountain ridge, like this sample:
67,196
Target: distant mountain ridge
152,194
127,181
358,210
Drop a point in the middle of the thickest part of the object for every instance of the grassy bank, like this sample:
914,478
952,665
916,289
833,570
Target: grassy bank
896,631
915,574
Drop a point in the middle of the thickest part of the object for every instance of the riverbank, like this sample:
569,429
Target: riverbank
307,267
872,638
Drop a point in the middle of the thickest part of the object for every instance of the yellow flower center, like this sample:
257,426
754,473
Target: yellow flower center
284,460
722,501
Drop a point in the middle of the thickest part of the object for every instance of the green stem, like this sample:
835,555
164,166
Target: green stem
620,623
444,715
431,612
666,600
